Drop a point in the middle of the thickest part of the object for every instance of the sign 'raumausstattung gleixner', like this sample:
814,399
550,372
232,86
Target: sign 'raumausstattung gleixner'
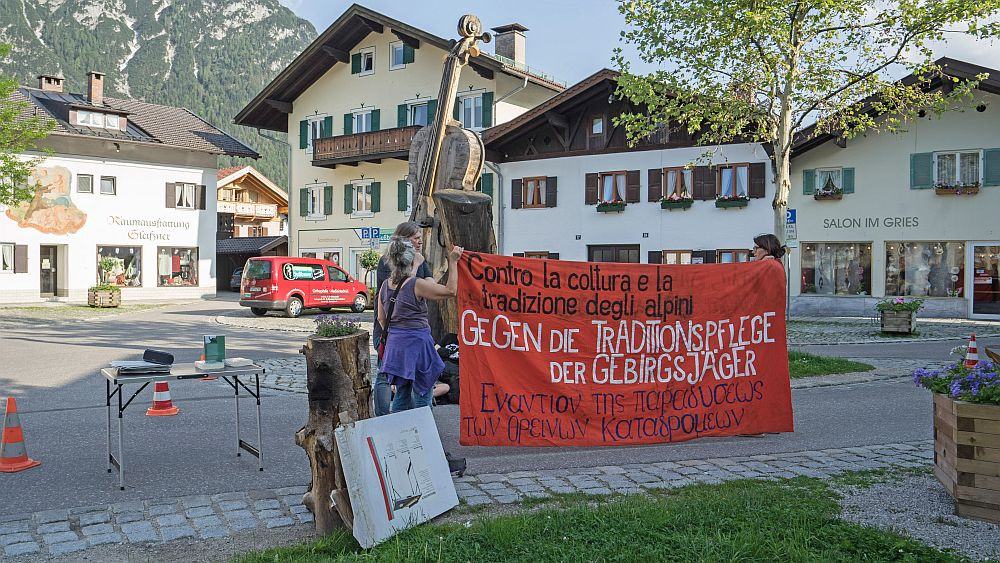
147,229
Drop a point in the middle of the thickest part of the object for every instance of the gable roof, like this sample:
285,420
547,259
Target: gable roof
808,139
249,245
145,123
230,175
334,45
582,89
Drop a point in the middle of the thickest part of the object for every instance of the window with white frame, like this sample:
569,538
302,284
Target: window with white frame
829,180
315,130
362,198
90,118
111,121
108,186
84,183
6,258
470,111
368,61
397,55
733,180
362,121
314,203
409,197
418,113
957,168
185,196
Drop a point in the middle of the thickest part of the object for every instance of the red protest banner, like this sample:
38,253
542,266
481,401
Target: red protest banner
557,353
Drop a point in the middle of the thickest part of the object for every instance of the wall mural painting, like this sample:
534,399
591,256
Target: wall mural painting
50,210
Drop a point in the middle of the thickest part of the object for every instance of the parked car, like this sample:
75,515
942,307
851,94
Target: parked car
290,284
234,281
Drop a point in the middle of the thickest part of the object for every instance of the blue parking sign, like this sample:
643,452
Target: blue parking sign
790,216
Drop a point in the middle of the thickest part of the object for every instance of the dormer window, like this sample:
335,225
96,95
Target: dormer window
98,119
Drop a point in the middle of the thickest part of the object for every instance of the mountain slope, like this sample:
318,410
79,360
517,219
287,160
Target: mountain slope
210,56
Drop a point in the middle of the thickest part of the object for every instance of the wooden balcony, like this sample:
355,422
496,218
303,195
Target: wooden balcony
363,147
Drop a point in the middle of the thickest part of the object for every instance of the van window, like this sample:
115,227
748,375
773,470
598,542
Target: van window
258,270
292,271
336,274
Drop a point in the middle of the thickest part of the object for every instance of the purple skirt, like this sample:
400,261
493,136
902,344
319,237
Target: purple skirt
410,357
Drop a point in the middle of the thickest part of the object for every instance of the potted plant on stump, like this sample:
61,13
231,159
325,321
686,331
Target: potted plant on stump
898,314
967,435
338,370
105,294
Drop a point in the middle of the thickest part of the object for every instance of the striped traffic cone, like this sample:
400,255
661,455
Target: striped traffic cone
161,401
13,454
972,355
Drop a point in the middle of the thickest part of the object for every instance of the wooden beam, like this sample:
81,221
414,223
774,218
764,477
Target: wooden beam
557,120
339,54
283,107
481,70
371,24
409,40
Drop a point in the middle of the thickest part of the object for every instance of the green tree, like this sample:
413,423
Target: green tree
17,136
369,261
764,70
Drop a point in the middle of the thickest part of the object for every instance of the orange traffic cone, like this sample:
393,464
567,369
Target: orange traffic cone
972,355
13,454
207,377
161,401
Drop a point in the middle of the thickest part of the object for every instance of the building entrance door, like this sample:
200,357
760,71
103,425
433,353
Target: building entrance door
47,269
985,282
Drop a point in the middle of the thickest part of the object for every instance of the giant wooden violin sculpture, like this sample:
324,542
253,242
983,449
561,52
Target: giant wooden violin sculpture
446,162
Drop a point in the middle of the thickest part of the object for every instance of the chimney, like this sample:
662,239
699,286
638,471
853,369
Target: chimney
510,42
50,83
95,88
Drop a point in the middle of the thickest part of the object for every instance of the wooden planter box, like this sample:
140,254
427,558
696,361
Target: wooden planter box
970,190
967,456
828,196
899,321
104,298
676,203
723,203
611,207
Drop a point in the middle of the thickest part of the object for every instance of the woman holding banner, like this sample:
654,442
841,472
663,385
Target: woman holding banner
410,361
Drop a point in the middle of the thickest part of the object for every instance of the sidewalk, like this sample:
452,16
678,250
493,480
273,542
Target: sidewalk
231,515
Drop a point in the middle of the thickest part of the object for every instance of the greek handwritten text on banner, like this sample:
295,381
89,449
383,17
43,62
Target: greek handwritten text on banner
557,353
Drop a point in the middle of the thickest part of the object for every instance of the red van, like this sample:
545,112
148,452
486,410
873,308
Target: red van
274,283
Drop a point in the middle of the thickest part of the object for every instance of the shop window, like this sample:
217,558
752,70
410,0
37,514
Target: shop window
676,256
732,180
925,269
956,168
7,258
119,265
84,183
731,256
612,187
837,268
176,267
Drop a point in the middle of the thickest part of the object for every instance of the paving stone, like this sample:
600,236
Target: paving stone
291,491
611,469
94,518
686,470
171,520
199,511
206,522
291,500
506,499
97,529
642,477
304,518
58,537
280,522
133,506
162,509
530,488
196,501
228,505
494,486
266,504
563,489
491,477
262,494
127,517
86,509
67,547
104,538
11,539
238,515
213,532
14,527
138,532
48,516
597,491
666,474
243,524
299,509
175,532
666,465
523,481
268,514
20,549
53,527
522,475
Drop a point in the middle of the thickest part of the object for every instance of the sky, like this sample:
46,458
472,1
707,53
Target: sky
569,39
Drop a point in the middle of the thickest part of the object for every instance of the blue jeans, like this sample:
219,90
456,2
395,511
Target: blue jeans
407,398
383,394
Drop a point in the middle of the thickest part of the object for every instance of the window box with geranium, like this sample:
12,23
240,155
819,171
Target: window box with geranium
732,201
675,201
829,190
957,189
967,435
610,206
899,314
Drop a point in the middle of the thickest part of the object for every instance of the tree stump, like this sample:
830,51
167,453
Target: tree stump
339,384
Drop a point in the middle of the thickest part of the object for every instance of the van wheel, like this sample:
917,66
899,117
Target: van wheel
360,302
294,307
260,312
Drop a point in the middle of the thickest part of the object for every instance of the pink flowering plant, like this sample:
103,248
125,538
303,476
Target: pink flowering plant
980,384
900,305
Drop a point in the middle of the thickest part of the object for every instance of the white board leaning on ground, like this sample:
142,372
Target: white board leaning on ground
396,472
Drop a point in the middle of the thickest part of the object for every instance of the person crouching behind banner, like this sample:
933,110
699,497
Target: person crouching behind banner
409,360
766,247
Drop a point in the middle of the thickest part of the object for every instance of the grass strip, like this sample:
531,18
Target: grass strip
55,312
803,364
794,520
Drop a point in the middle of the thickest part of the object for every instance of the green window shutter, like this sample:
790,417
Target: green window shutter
847,179
408,54
432,107
348,198
356,63
401,195
808,181
348,123
328,126
991,167
375,119
487,182
376,197
402,115
327,200
303,202
921,175
455,111
303,134
487,109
